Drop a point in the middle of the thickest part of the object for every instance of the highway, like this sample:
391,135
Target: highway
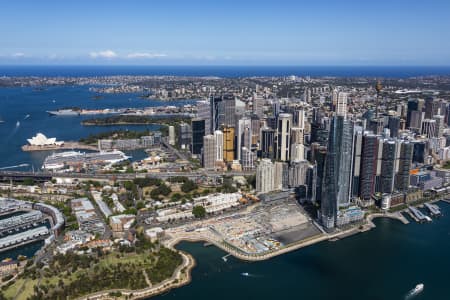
46,176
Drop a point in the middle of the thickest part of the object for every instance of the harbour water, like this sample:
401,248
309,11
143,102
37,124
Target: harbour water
226,71
17,103
382,264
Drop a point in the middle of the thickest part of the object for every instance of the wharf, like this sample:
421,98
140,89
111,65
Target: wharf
65,146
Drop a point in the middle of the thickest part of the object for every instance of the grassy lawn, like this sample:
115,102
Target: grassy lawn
25,285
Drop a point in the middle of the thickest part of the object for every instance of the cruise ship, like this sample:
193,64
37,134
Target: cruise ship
64,112
75,158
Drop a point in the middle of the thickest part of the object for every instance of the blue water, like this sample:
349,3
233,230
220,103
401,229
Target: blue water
16,103
227,71
382,264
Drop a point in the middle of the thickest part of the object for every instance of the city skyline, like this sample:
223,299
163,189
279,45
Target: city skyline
231,33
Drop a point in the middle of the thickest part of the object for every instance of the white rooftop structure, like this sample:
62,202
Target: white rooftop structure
41,140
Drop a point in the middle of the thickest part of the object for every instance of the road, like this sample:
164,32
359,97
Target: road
46,176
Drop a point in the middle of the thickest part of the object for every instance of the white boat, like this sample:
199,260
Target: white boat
17,124
245,274
417,290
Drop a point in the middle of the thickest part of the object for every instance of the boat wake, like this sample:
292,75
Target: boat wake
415,291
13,167
245,274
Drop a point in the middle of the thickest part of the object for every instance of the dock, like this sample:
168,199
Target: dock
65,146
17,240
417,215
433,209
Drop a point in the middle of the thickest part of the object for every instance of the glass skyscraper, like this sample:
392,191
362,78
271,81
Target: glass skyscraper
338,167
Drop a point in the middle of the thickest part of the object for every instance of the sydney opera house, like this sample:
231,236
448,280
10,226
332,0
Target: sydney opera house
41,140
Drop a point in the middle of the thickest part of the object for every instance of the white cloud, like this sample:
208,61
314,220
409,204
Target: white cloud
18,55
146,55
103,54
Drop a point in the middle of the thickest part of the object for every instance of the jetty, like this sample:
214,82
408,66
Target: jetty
433,209
417,215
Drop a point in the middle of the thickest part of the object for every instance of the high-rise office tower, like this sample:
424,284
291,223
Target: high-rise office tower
338,165
413,105
185,136
243,135
439,125
283,137
297,135
307,95
172,136
228,144
406,153
429,128
368,166
447,114
198,132
209,151
257,105
297,173
229,106
256,127
388,166
394,126
377,125
357,151
334,98
248,159
276,107
419,151
319,133
341,105
267,142
281,176
265,173
218,136
431,107
204,113
297,152
319,158
217,113
416,121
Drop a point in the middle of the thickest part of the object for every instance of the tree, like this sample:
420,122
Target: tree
188,186
199,211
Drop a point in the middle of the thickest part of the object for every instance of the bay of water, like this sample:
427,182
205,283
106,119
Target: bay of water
382,264
226,71
17,103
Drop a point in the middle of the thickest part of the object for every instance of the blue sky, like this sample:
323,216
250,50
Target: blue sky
173,32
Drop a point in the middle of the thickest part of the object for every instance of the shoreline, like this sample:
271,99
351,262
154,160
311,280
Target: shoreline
183,274
66,146
120,123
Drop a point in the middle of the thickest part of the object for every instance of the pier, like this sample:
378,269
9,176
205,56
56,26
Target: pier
20,221
20,239
433,209
417,215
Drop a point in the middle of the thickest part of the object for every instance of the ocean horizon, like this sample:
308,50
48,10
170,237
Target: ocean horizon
222,71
